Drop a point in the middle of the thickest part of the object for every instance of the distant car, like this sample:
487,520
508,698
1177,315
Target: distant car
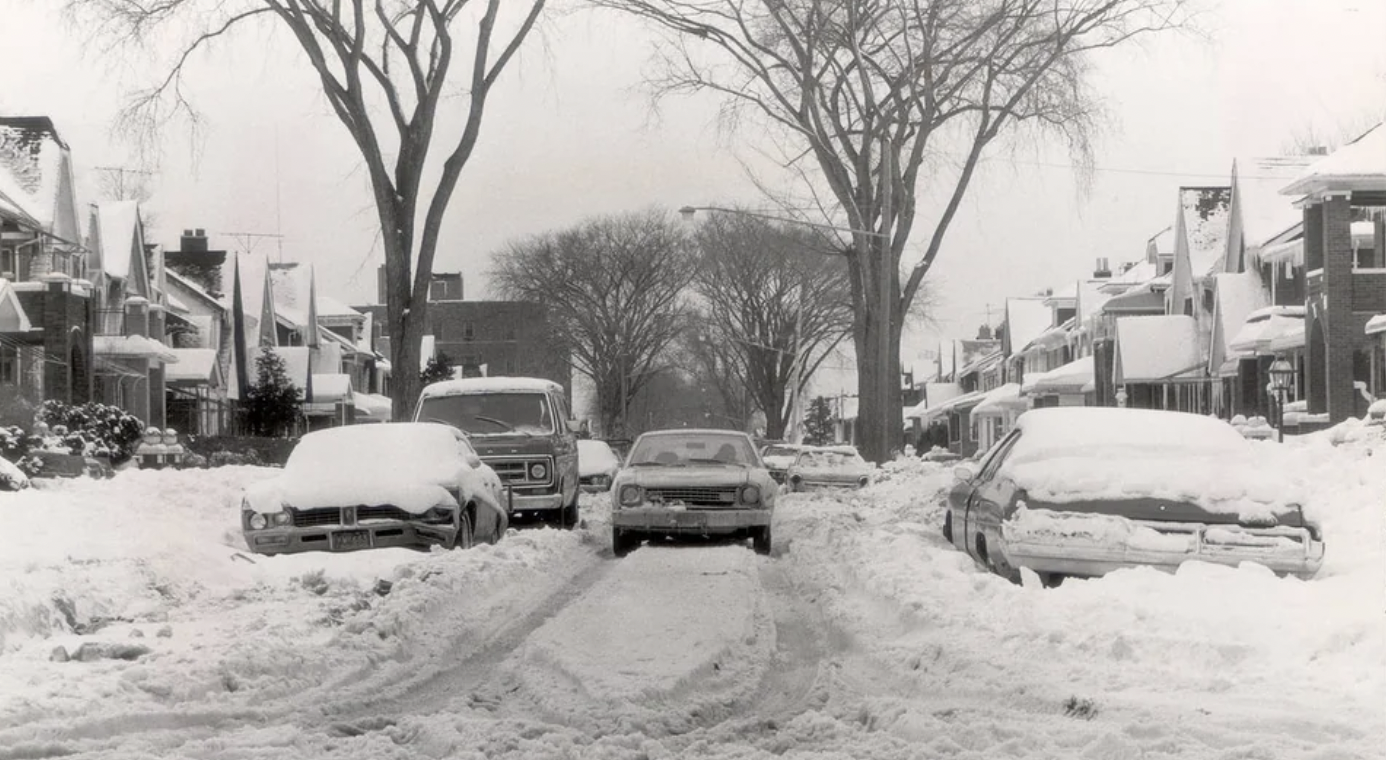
597,465
829,467
407,484
692,482
1085,491
937,454
778,457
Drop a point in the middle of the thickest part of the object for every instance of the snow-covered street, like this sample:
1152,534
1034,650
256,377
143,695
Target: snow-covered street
864,636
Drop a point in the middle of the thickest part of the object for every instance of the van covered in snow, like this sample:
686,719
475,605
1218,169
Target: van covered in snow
521,427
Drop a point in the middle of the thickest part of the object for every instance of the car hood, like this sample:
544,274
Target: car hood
693,475
510,445
411,494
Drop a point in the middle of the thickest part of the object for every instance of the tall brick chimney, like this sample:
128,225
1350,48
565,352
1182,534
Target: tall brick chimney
1102,271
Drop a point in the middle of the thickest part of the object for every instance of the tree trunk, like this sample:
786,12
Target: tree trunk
406,321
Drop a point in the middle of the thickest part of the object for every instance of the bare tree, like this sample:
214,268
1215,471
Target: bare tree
778,301
713,363
615,287
872,94
385,67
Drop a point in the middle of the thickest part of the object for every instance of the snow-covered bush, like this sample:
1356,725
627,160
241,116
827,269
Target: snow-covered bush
91,429
11,477
15,445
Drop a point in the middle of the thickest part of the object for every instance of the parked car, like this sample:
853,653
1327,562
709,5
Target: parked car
778,456
940,455
521,428
692,482
411,485
829,467
1084,491
597,465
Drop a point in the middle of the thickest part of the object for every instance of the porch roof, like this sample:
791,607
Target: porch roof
1140,300
1074,377
1376,324
1359,165
372,405
133,346
195,366
1156,349
1001,400
960,402
1264,328
331,388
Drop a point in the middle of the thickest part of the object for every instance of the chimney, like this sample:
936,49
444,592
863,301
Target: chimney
1103,271
193,241
1317,150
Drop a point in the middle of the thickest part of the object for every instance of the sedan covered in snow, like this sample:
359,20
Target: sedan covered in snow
412,485
1085,491
829,467
597,465
778,457
692,483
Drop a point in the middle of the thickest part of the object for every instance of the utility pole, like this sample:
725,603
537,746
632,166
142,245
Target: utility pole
249,239
795,412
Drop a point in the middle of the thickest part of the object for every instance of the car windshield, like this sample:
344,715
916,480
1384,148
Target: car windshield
692,448
482,414
829,459
779,451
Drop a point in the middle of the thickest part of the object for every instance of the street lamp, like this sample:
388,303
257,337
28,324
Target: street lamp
1282,374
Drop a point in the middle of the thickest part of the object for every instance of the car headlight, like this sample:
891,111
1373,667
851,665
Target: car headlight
258,521
750,494
863,481
280,518
631,495
538,471
795,478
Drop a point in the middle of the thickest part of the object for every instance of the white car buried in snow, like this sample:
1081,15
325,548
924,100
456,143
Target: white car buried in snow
1085,491
408,484
597,465
692,483
829,467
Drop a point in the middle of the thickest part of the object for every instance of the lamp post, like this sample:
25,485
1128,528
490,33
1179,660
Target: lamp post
688,213
1282,374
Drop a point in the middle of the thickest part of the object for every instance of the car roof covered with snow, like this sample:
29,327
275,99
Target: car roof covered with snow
695,431
1105,431
491,385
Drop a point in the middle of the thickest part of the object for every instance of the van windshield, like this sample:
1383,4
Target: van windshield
482,414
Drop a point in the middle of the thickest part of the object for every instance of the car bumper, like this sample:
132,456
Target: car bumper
349,538
537,502
691,521
805,485
1286,551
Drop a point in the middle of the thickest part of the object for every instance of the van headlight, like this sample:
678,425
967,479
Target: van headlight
537,471
750,494
632,495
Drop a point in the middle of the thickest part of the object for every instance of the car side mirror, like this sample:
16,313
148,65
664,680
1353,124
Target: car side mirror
964,473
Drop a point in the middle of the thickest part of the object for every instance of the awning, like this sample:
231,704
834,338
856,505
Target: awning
195,366
1282,325
372,406
331,388
1074,377
12,316
1376,324
964,401
1140,301
133,347
1157,349
998,402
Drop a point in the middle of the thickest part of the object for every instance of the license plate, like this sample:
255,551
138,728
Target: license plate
346,540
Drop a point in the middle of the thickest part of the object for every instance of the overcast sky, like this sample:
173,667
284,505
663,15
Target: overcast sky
571,134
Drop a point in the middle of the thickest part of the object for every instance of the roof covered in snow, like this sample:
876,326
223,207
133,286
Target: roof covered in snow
194,365
1256,200
1204,211
1238,295
1376,324
1091,299
36,175
1074,377
1140,272
1267,324
1026,319
132,346
492,385
999,400
118,228
297,363
1359,165
1155,349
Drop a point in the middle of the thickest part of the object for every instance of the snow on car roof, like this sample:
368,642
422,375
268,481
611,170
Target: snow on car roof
491,385
1093,453
694,431
388,453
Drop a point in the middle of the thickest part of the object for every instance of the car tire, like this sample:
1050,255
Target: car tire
760,539
568,515
464,538
622,542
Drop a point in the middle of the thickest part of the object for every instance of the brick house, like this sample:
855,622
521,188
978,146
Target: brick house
1342,197
46,303
494,338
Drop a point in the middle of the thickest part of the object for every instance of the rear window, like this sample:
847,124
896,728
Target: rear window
779,451
483,414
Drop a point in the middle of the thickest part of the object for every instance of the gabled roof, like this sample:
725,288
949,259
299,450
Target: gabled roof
191,289
1359,165
12,316
118,238
1091,298
1238,295
1026,318
1257,205
36,175
1155,349
195,366
1204,212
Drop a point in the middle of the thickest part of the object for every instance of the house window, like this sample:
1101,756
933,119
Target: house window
9,366
1188,307
437,290
9,264
1208,300
468,331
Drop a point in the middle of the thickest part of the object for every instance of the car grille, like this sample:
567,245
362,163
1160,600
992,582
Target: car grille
515,470
695,497
311,518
